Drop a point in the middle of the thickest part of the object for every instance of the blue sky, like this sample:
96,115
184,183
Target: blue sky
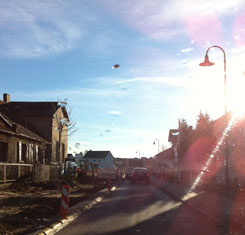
56,50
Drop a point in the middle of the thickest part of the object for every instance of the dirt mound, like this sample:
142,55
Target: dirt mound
25,206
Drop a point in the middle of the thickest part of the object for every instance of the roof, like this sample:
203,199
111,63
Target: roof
168,153
96,154
32,108
172,137
18,111
11,128
144,168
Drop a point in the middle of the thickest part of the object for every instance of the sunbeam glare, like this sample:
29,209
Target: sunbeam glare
211,156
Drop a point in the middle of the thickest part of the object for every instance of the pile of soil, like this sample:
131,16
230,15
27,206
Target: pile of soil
25,206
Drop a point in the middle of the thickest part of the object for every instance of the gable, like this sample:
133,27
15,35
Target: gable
9,127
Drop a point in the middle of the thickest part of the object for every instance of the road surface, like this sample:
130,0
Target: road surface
141,209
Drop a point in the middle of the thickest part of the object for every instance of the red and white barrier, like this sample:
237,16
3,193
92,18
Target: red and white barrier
109,184
64,201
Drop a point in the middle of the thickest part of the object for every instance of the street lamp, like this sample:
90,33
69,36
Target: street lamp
137,151
154,142
208,63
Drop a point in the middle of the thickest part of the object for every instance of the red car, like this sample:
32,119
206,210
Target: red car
140,175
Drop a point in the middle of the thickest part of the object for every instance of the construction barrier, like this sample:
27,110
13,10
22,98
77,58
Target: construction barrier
109,184
64,201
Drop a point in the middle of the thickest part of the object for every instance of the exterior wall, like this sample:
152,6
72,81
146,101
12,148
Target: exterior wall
109,161
43,124
58,116
33,150
106,163
12,149
12,171
46,172
35,172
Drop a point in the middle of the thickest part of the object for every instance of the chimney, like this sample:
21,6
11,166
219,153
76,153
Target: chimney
6,97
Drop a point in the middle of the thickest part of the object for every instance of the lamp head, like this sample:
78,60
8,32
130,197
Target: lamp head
206,62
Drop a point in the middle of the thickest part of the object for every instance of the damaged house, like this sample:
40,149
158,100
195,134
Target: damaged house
46,119
33,133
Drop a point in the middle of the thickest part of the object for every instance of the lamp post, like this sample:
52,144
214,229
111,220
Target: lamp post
137,151
154,142
208,63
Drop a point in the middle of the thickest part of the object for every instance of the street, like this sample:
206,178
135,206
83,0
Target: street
141,209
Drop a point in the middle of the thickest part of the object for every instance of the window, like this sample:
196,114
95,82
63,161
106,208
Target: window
63,152
57,151
19,152
24,152
40,155
3,152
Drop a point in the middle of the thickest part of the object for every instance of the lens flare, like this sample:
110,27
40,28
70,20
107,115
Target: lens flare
211,156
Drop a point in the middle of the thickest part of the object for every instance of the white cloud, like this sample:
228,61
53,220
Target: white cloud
115,113
164,81
238,50
186,50
36,28
68,93
164,20
185,61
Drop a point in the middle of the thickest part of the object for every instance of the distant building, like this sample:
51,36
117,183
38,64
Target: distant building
70,155
135,162
103,159
121,163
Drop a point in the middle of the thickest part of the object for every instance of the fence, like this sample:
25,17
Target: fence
46,172
12,171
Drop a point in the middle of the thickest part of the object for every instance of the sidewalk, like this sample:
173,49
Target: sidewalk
227,212
75,211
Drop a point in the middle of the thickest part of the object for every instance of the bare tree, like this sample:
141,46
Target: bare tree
65,124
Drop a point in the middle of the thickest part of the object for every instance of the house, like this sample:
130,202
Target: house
164,164
18,144
22,153
135,162
148,163
104,159
121,163
46,119
216,157
165,159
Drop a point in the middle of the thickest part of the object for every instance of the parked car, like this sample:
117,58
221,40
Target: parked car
140,175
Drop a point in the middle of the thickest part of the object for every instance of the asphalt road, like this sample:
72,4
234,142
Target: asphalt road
141,209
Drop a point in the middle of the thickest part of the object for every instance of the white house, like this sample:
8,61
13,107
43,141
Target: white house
103,159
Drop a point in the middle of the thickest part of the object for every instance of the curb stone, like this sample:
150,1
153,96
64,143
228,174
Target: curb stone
76,211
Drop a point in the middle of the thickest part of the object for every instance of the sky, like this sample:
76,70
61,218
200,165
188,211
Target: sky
57,50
